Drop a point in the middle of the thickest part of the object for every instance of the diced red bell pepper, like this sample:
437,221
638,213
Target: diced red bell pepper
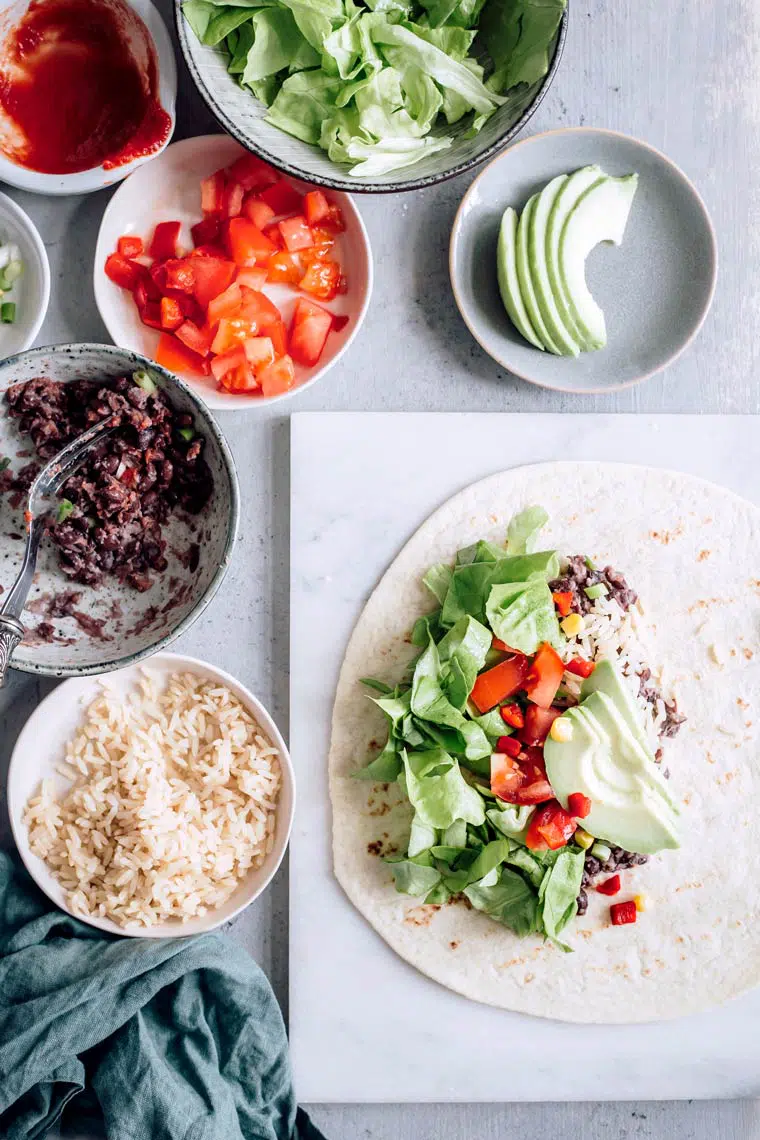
339,323
189,307
551,827
171,314
309,330
545,676
164,242
206,231
500,682
130,246
145,290
283,198
621,914
180,274
502,646
213,250
296,233
538,722
150,315
316,206
212,193
259,352
563,600
247,244
175,356
610,886
124,272
512,715
212,276
258,212
231,332
227,304
580,667
283,269
322,280
252,278
252,173
509,745
199,340
519,779
578,805
278,377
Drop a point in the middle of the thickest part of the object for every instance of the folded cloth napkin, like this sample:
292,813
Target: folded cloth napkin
177,1039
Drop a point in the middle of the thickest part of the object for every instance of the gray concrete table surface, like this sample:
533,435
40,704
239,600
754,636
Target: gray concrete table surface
685,76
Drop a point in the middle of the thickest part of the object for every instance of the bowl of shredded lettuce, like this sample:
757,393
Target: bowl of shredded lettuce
372,95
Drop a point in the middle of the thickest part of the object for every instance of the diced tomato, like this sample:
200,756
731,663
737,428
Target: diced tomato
278,335
323,243
283,198
180,274
130,246
212,193
509,744
206,231
609,886
500,682
316,207
580,667
252,278
171,313
339,323
283,269
189,307
512,715
502,646
334,220
551,827
296,234
210,250
227,304
309,330
538,721
258,307
199,340
252,173
578,805
247,244
212,276
241,379
621,914
322,280
233,199
123,272
563,600
274,234
518,779
164,241
259,352
544,677
175,356
225,361
232,331
258,212
150,315
278,377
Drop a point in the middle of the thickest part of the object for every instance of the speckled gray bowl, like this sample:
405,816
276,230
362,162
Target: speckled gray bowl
244,118
113,625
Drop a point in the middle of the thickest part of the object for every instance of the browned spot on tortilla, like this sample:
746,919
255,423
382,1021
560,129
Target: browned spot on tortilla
703,555
680,938
378,809
704,603
454,945
748,653
421,915
707,520
375,848
646,972
493,518
585,933
666,536
755,584
687,800
710,758
512,962
728,777
381,847
682,957
689,887
528,979
460,900
742,704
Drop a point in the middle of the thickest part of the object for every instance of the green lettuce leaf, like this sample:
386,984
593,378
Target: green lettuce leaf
524,528
437,790
421,837
518,35
414,876
438,580
522,614
558,893
430,703
304,102
471,583
511,819
277,44
510,901
462,653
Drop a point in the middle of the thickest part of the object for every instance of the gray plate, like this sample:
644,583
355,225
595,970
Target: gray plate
655,289
129,625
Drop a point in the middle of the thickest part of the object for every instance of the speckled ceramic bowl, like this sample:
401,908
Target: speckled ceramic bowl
245,119
113,625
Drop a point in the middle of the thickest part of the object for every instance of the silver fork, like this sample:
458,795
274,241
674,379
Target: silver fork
41,495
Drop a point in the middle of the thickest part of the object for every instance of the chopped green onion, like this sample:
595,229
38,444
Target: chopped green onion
65,508
145,381
13,270
8,312
598,590
589,564
4,462
601,851
583,839
187,433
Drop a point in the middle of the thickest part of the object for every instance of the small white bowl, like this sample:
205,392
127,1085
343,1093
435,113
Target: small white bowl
31,292
40,748
169,190
85,181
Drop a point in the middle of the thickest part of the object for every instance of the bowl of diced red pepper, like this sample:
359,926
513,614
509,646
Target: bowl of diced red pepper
246,284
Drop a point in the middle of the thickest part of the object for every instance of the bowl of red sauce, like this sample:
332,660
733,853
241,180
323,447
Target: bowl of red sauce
87,92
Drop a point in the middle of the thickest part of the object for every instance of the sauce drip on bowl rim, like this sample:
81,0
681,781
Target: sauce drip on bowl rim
79,87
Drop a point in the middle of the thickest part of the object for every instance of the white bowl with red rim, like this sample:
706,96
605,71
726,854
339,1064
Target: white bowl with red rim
169,190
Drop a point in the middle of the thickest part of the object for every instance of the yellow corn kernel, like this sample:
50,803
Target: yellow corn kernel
561,730
583,839
573,625
640,902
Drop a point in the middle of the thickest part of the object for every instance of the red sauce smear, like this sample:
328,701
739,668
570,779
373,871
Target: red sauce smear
79,80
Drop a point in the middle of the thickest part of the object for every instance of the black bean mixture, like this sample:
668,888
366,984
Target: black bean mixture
619,860
580,574
123,495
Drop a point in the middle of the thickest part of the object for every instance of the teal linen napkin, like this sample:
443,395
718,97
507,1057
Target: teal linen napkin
180,1039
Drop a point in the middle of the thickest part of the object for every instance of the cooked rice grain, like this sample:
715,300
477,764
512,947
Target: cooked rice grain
173,798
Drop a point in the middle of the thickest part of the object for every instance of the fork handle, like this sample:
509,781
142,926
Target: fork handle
11,633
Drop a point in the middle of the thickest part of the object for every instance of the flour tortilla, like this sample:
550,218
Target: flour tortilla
692,551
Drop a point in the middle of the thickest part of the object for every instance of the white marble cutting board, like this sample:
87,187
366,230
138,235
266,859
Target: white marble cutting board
364,1025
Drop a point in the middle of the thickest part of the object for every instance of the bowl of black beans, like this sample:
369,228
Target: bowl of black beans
142,533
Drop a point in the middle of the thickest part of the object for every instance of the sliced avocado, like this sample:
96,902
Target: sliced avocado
569,193
640,762
606,679
561,332
509,286
525,279
600,214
